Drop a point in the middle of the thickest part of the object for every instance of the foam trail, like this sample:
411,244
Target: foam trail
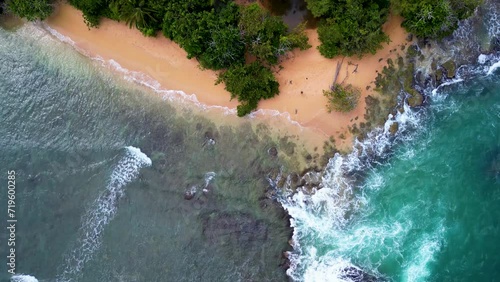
209,176
23,278
493,68
102,212
435,91
418,269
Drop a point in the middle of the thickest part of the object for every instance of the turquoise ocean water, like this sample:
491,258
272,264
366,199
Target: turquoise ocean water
103,170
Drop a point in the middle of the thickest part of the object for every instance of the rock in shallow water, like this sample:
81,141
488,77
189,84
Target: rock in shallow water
189,194
357,275
451,68
237,228
394,128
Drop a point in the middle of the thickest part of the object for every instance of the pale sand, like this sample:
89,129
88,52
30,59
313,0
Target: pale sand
307,71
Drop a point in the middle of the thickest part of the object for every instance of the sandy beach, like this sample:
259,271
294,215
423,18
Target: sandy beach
304,76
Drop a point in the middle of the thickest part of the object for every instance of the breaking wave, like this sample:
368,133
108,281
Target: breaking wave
102,211
23,278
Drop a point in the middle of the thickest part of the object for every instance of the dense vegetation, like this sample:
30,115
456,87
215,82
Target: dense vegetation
342,98
220,34
249,83
350,27
31,10
434,18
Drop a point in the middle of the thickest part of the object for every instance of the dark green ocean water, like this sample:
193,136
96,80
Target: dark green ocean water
102,171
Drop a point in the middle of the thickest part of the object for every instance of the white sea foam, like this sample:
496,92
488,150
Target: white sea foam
493,68
102,211
418,268
328,271
451,82
493,19
481,59
23,278
209,176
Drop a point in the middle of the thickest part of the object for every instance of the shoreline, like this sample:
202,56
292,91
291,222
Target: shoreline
304,75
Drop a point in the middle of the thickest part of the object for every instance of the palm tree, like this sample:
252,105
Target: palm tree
134,12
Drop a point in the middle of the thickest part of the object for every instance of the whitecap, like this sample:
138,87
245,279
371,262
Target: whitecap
447,83
493,68
102,211
481,59
23,278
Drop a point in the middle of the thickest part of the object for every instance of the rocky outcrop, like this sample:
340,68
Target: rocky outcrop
450,68
357,275
393,129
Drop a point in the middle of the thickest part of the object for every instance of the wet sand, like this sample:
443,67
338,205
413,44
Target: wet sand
302,80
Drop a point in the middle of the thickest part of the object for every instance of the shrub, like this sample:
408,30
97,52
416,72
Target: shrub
342,99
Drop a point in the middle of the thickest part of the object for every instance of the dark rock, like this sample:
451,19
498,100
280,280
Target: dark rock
34,178
416,98
295,177
495,44
420,78
357,275
285,263
393,129
312,179
236,229
439,75
409,37
190,193
209,135
281,182
273,152
433,65
450,68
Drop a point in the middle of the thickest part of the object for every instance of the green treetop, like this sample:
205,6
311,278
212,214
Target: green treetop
31,10
436,18
350,27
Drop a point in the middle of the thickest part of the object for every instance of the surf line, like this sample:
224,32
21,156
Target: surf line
102,211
